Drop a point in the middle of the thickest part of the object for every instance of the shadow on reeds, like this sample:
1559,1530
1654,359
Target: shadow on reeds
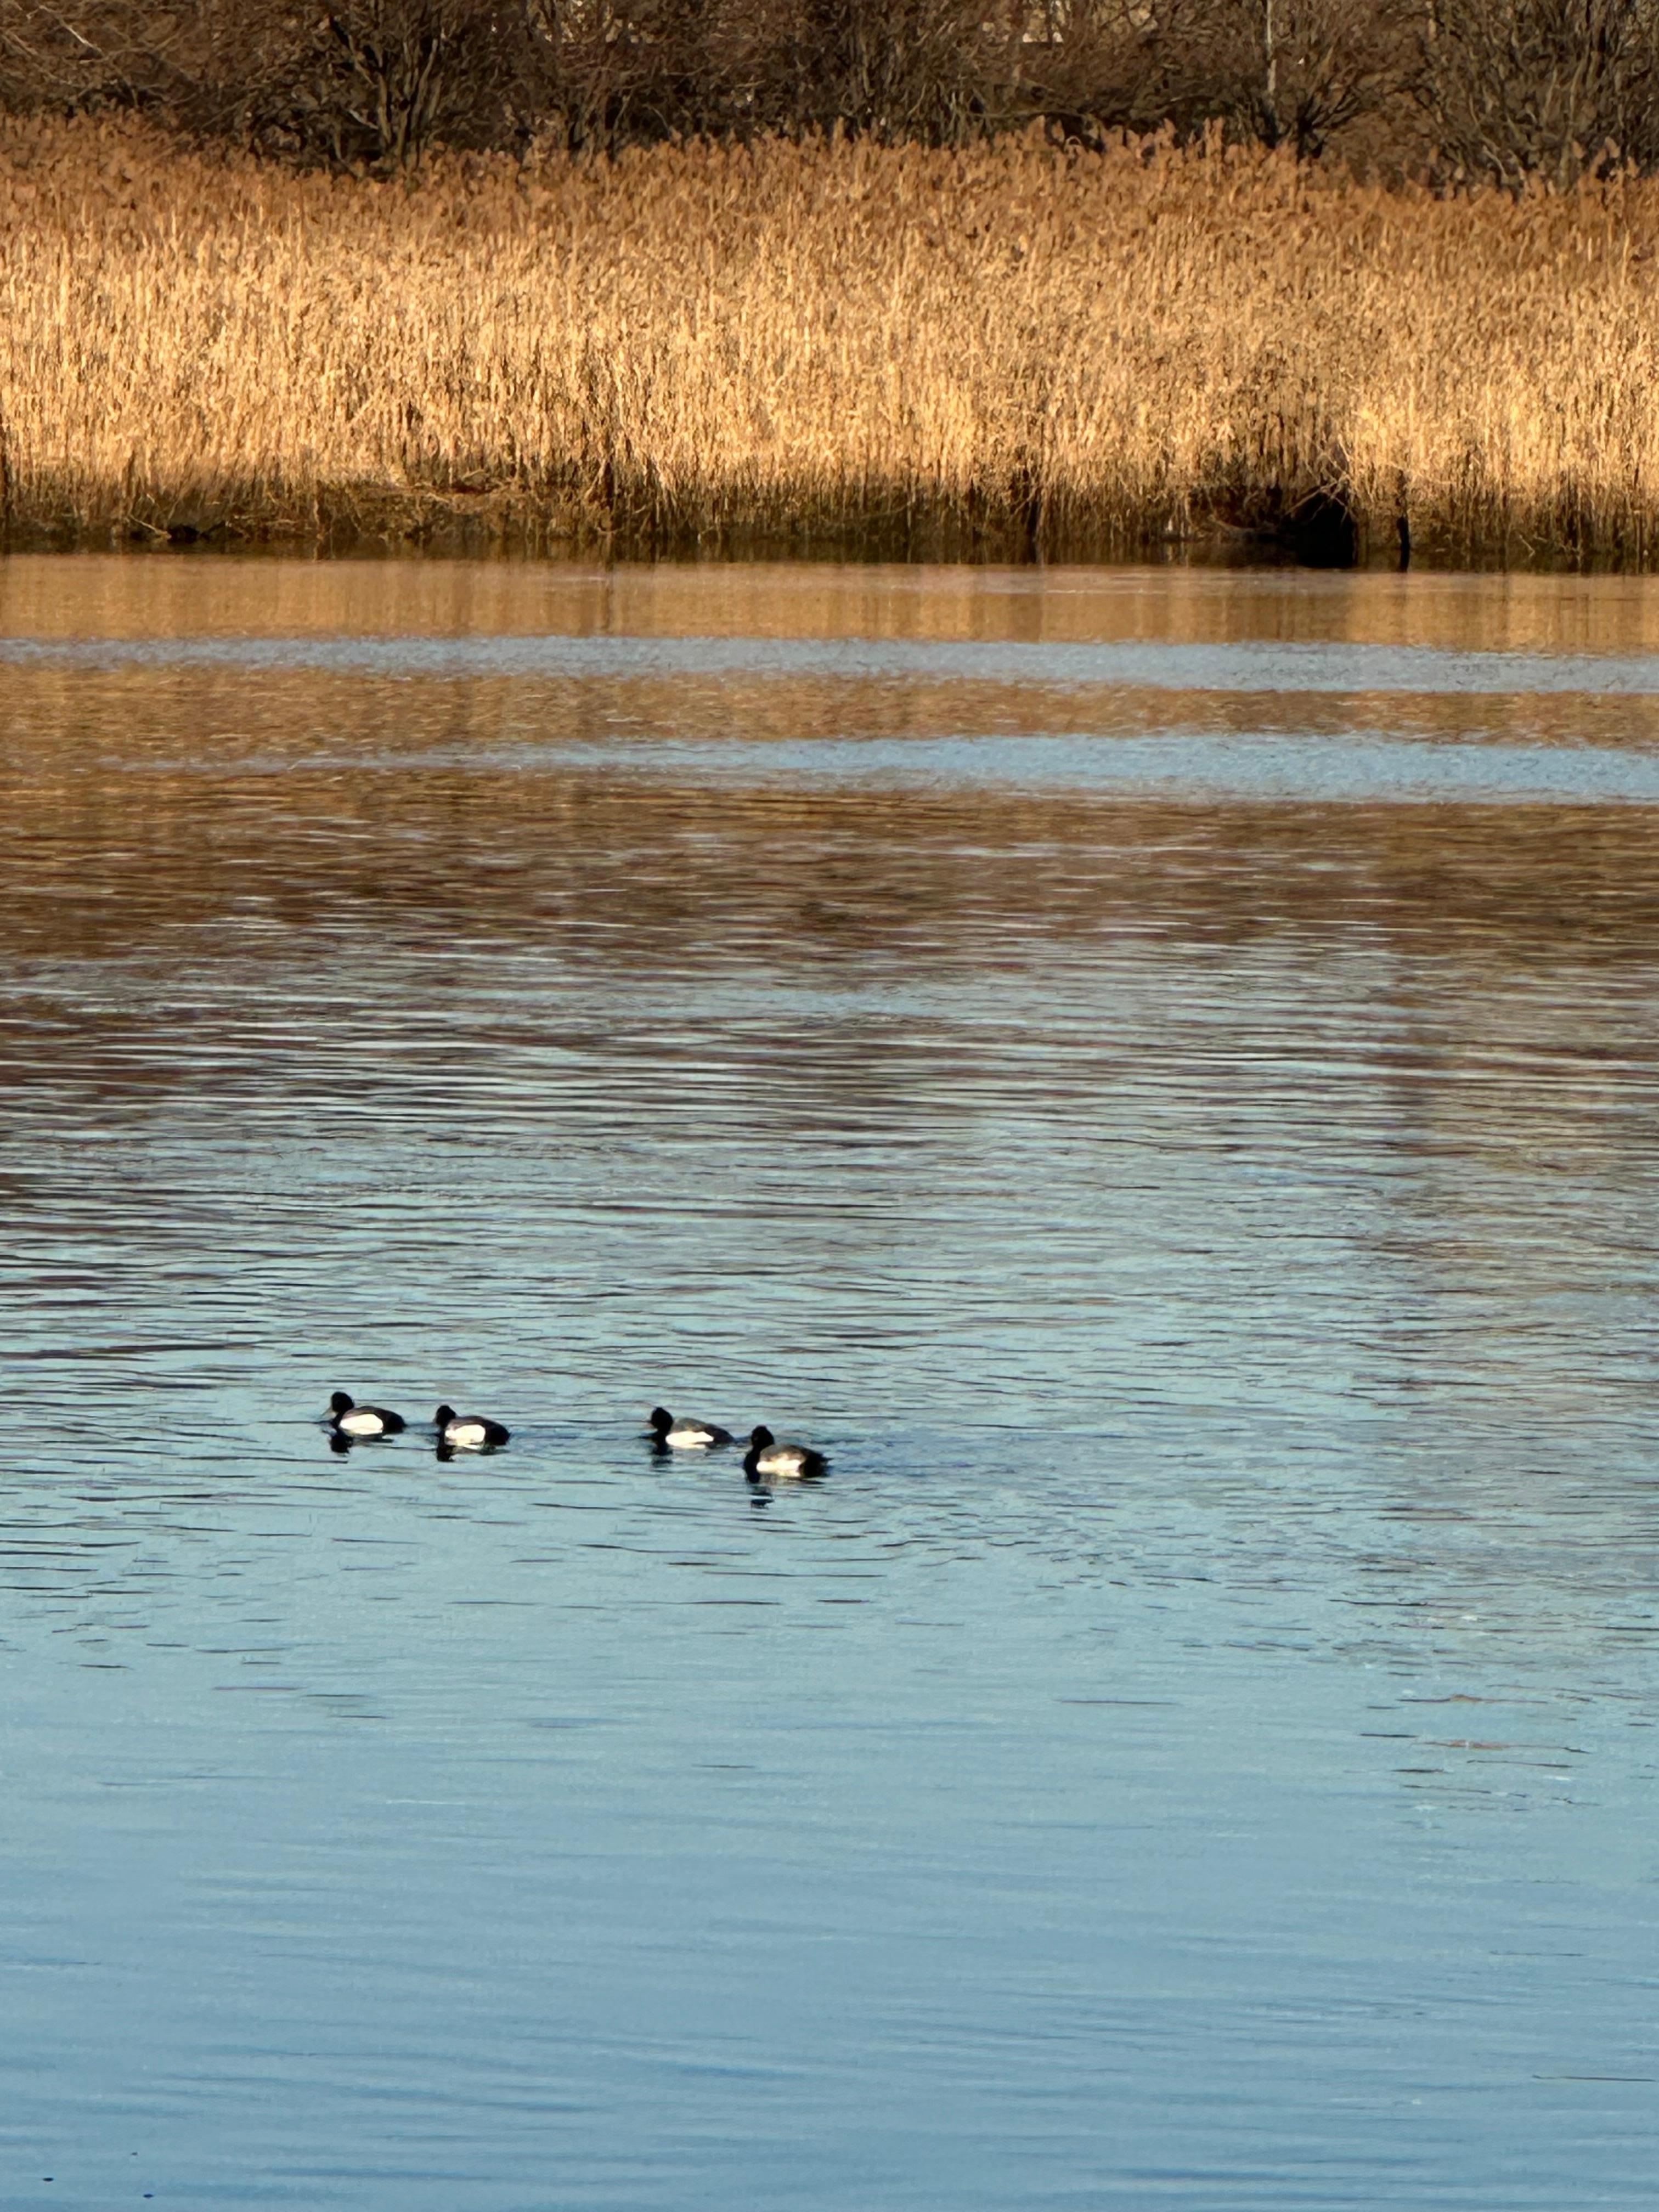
1265,529
1318,531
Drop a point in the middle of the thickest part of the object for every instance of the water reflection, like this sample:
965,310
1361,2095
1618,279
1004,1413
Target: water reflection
1188,1149
154,601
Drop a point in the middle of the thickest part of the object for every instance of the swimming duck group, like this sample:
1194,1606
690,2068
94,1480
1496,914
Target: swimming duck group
350,1423
765,1455
765,1460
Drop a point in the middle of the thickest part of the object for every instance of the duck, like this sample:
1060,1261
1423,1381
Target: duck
467,1431
348,1418
684,1436
766,1456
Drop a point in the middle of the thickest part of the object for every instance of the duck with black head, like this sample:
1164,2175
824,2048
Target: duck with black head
683,1434
768,1461
467,1431
348,1418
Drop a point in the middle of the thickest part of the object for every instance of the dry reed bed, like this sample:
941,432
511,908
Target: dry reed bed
1008,344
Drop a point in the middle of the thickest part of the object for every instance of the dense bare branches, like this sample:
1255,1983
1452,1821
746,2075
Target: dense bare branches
369,82
81,58
941,72
1501,88
1277,72
377,81
1522,87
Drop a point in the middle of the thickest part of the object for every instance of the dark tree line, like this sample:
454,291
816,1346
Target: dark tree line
1495,88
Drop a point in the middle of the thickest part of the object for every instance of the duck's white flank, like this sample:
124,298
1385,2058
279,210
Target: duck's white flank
781,1459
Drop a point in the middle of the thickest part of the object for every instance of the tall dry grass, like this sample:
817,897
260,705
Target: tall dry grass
996,348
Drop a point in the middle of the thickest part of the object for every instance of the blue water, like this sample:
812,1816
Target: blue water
1185,1146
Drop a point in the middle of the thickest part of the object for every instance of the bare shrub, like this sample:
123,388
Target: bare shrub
1275,72
82,59
939,71
1516,88
359,82
380,82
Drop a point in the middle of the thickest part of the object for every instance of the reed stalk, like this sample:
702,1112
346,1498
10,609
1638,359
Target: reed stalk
1007,349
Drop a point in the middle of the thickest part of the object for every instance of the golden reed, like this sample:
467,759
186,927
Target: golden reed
1010,346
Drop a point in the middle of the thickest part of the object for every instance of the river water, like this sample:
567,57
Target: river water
1156,1072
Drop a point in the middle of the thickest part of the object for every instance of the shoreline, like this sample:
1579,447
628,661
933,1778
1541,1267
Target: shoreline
422,530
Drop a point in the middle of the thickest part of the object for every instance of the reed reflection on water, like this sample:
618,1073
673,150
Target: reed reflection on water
1181,1130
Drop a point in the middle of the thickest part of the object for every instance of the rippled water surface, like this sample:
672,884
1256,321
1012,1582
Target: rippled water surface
1155,1072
